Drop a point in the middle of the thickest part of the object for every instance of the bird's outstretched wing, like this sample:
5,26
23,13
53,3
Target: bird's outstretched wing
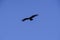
34,16
25,19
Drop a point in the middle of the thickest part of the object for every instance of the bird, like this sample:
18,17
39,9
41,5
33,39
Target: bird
30,18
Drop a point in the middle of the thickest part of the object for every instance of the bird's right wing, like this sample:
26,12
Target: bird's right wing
34,16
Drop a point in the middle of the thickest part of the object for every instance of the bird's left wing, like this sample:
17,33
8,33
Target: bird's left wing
25,19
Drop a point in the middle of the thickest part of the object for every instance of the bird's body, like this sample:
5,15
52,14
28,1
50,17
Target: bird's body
30,18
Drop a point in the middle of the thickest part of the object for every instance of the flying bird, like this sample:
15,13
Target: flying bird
30,18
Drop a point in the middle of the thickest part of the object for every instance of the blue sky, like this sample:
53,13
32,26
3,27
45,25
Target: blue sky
46,26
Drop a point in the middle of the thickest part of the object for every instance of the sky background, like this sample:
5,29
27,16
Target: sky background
46,26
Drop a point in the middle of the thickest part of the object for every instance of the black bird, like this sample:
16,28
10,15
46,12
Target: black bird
30,18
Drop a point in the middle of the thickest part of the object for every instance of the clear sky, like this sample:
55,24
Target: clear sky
46,26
